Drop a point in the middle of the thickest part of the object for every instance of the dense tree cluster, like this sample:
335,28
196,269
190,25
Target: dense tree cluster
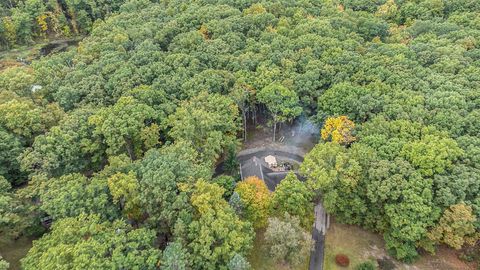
24,21
116,141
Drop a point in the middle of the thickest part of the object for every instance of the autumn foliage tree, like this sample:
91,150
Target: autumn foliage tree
255,198
456,227
339,130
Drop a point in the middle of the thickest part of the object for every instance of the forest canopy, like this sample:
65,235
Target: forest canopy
126,129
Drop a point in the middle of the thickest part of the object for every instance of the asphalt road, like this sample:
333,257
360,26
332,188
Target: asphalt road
318,235
316,257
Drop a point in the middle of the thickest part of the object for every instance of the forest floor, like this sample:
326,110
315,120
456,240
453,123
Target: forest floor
23,55
301,134
361,245
14,250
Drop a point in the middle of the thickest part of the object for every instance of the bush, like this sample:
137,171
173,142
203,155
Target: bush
342,260
368,265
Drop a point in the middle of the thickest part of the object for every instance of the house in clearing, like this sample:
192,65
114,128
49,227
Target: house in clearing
262,168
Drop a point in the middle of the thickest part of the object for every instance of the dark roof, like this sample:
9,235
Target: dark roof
259,168
252,167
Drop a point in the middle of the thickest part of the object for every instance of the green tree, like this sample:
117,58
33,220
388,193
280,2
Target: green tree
293,197
161,174
85,241
125,129
287,242
67,148
216,234
73,194
8,206
24,118
329,163
282,103
18,80
174,257
208,121
368,265
432,154
125,192
10,150
227,182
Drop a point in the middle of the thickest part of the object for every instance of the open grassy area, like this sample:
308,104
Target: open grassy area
261,260
13,250
361,245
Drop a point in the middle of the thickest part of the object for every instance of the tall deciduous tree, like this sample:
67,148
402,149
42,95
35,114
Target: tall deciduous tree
161,175
216,234
10,150
338,130
73,194
282,103
208,121
125,191
293,197
456,227
287,241
24,118
126,128
241,93
69,147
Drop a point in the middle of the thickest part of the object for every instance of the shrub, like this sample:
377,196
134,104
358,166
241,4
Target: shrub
342,260
368,265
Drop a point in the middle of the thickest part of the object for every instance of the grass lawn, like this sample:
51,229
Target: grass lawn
361,245
261,260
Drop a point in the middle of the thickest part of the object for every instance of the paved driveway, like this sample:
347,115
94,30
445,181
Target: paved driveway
316,257
318,235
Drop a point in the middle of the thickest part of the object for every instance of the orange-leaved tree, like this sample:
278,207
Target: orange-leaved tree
255,198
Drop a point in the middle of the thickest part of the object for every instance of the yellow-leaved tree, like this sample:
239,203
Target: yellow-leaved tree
338,129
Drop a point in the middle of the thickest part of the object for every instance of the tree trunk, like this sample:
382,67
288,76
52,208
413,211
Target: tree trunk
244,125
130,148
274,130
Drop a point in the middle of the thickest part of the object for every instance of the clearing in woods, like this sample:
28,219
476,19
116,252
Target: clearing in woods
361,245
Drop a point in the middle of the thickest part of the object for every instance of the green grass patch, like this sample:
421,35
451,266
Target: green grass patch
361,245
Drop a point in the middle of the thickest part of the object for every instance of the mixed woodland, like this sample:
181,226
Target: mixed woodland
114,143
